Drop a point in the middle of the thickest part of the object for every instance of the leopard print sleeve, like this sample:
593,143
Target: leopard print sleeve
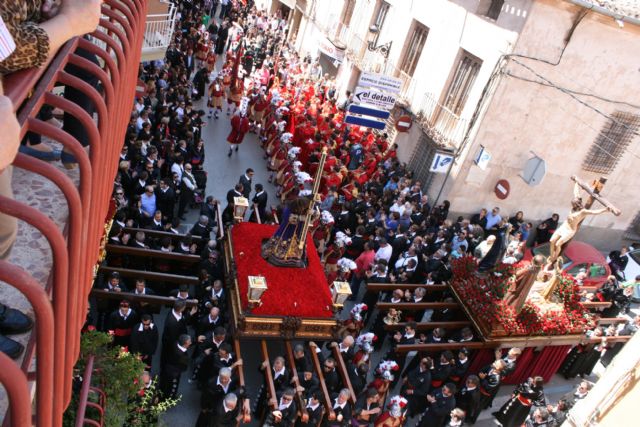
32,42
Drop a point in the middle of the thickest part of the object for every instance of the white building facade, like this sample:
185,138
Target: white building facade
548,80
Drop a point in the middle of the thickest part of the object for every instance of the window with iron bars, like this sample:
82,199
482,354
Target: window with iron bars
380,17
611,143
462,82
413,49
633,231
421,160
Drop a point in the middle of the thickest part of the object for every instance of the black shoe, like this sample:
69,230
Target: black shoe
11,348
230,152
13,321
237,146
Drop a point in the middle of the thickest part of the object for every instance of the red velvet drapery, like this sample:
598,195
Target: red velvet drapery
544,363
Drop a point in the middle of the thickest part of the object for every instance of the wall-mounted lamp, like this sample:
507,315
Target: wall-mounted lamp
384,49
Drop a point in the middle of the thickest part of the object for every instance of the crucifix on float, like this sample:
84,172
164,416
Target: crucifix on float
579,211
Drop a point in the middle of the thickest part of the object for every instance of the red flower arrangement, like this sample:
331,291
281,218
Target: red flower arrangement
299,292
483,296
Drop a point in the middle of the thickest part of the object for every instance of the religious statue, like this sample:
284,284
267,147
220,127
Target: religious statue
553,282
579,211
283,249
287,246
521,285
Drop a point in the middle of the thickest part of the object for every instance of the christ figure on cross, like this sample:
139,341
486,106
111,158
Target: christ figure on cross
579,212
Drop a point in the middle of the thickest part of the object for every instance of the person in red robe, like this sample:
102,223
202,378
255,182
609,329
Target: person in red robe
239,128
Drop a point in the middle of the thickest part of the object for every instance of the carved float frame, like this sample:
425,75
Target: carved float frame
246,325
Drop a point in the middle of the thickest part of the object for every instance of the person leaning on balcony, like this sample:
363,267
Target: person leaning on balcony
40,27
24,44
27,42
11,321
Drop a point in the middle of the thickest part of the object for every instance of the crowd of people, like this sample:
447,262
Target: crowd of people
374,225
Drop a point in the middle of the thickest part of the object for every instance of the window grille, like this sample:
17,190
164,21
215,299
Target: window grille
633,231
611,143
462,82
421,161
413,48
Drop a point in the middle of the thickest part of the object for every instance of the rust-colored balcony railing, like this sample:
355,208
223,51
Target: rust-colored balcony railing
60,306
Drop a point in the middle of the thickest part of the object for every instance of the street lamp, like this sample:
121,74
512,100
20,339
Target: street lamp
257,286
373,39
240,206
340,291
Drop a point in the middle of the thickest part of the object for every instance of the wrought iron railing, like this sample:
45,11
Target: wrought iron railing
60,305
439,123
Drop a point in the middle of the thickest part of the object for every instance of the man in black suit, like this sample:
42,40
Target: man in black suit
309,383
210,209
287,412
209,322
260,203
237,191
358,377
227,214
215,297
106,306
227,412
331,378
314,409
301,359
175,362
416,385
281,380
246,181
138,262
342,408
346,348
440,404
409,337
189,61
468,399
202,228
175,325
213,395
142,307
165,200
144,339
157,222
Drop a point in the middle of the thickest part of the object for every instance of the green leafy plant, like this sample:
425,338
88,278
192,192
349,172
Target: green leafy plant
116,372
148,407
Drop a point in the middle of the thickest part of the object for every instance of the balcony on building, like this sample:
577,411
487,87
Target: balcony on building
445,127
161,20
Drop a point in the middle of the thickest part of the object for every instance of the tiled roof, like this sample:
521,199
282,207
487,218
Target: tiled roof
629,8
